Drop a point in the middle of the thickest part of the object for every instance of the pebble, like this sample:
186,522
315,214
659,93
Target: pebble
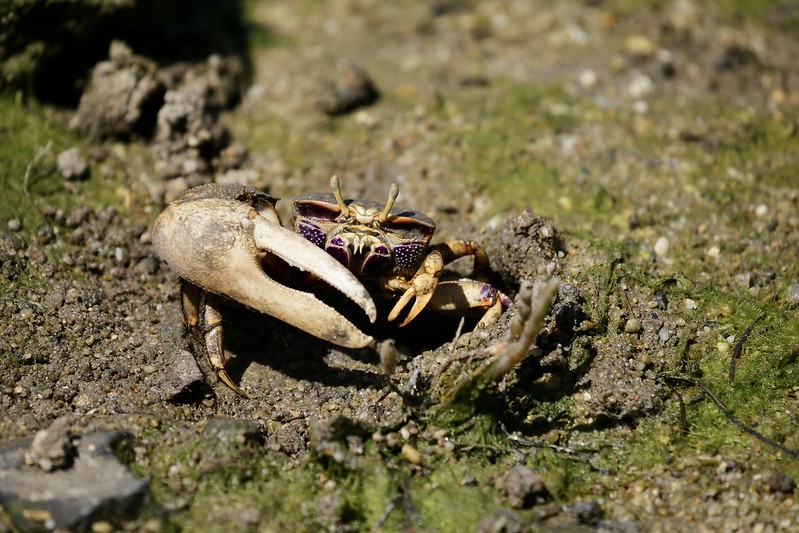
72,165
633,325
180,372
14,224
522,487
641,85
588,78
662,246
792,294
640,46
411,454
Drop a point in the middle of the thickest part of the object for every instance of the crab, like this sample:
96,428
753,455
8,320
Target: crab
226,242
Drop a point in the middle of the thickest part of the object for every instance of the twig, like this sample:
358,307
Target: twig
740,425
457,335
524,329
582,456
40,153
408,509
736,353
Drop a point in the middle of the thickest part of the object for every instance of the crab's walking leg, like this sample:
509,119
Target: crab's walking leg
452,250
422,285
420,288
465,295
200,311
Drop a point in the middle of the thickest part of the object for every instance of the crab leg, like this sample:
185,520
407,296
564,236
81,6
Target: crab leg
459,296
217,244
422,285
201,315
420,288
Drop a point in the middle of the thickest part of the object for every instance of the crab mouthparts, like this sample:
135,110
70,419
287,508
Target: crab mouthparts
362,254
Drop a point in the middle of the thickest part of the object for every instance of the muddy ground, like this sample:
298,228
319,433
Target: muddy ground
644,155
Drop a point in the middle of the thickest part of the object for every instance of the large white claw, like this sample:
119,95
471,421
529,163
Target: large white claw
217,244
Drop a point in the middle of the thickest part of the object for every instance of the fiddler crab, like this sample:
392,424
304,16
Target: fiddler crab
226,242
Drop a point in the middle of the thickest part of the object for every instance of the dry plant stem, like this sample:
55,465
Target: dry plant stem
40,154
524,329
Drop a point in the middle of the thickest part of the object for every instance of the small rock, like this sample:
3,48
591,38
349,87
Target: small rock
792,294
522,487
587,513
640,85
735,57
780,482
45,234
177,376
588,78
96,487
14,224
120,98
502,521
411,454
72,165
640,46
52,448
353,89
633,325
662,246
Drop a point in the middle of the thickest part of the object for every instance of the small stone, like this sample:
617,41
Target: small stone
690,304
411,454
45,234
633,325
52,448
641,85
587,513
14,224
522,487
177,375
640,46
792,294
502,521
780,482
353,89
662,246
588,78
72,165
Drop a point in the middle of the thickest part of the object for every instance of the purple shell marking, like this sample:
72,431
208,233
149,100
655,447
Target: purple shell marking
311,232
339,250
376,261
407,255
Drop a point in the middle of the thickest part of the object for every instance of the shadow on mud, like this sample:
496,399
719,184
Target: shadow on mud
55,44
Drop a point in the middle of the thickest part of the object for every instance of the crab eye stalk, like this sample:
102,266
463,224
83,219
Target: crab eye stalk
336,186
393,192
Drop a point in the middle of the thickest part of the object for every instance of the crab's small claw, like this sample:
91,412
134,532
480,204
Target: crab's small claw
420,288
218,244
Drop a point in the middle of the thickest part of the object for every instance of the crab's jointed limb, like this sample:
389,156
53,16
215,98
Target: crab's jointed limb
426,289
